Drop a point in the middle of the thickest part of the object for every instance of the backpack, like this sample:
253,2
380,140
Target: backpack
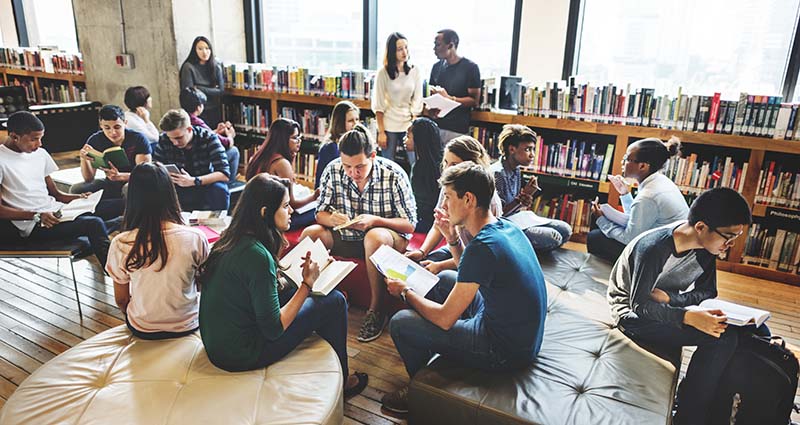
758,385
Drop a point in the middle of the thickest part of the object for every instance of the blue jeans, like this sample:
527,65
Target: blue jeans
393,140
303,220
233,161
705,369
549,236
111,189
467,342
327,316
213,197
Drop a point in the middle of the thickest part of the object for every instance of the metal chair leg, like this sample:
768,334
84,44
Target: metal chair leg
75,283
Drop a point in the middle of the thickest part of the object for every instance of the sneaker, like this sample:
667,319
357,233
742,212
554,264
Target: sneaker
372,327
397,401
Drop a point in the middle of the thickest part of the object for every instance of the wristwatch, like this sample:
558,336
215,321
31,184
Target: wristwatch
404,292
197,181
37,217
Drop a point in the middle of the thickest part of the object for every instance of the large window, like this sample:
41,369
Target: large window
51,23
484,29
704,46
321,35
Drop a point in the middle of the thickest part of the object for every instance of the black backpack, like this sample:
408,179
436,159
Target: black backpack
758,385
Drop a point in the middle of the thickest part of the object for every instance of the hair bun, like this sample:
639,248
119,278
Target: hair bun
673,145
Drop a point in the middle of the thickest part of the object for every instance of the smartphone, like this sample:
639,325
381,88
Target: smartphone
172,169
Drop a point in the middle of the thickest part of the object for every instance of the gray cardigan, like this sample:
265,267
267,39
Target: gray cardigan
210,83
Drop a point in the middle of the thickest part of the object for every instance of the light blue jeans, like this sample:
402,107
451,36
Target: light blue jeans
549,236
393,140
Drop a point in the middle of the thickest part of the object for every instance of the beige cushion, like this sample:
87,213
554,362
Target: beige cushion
115,378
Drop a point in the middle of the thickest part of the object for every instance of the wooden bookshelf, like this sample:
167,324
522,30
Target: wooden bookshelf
622,134
70,79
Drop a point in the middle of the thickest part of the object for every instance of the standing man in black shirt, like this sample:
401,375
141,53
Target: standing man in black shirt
456,78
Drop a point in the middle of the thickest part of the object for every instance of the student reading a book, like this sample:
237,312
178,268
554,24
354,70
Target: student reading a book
662,272
202,70
518,144
344,117
113,133
365,202
203,171
489,315
275,156
397,97
30,203
246,322
458,150
153,262
456,78
423,139
193,101
139,104
658,201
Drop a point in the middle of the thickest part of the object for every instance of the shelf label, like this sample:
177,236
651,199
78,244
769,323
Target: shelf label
783,219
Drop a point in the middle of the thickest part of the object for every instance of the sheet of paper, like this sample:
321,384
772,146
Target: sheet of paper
307,207
80,206
293,260
443,104
526,219
615,215
395,265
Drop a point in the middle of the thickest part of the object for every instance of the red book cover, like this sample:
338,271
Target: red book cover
211,234
712,118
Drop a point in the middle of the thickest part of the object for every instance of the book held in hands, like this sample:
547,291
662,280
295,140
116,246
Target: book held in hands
113,155
331,271
738,315
72,210
395,265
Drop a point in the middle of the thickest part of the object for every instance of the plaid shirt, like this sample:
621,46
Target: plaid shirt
205,157
387,194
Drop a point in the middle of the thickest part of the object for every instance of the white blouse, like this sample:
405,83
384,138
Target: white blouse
400,99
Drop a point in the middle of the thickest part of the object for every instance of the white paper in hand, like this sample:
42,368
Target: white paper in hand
615,215
443,104
395,265
72,210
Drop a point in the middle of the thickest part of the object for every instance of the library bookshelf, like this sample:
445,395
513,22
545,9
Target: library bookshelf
39,79
622,135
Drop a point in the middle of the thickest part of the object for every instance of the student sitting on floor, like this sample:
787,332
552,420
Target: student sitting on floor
275,156
422,139
458,150
518,144
153,263
113,132
658,202
30,203
193,101
490,314
200,158
245,322
139,103
377,192
663,271
344,117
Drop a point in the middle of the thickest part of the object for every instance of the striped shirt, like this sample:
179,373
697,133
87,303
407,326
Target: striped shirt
387,194
205,156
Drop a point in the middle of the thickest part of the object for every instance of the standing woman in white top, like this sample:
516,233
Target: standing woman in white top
139,103
397,98
154,261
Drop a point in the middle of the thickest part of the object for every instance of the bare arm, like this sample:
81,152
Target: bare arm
447,314
122,296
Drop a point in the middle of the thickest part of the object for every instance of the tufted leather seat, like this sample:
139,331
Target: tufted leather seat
114,378
587,371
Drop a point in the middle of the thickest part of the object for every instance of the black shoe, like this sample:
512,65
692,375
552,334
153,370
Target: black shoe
363,380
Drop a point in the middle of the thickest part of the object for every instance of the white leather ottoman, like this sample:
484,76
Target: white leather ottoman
115,378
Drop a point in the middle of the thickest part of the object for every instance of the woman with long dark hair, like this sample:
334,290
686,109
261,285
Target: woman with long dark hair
244,322
153,262
423,139
344,117
275,156
397,97
202,70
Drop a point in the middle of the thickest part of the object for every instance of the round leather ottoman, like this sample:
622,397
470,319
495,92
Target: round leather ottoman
115,378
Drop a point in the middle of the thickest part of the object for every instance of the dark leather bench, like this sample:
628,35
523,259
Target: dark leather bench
70,249
587,371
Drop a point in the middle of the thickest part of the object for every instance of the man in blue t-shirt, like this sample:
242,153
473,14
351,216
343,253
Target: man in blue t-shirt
113,132
490,315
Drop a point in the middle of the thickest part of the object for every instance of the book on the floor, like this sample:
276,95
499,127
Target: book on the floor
80,206
615,215
113,155
331,271
738,315
395,265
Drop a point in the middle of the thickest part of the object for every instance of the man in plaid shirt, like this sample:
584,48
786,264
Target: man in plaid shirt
377,193
200,157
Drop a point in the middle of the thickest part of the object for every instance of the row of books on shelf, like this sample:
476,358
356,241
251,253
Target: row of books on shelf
777,187
694,176
61,93
30,89
305,164
249,76
577,159
313,122
42,59
776,249
576,212
248,117
750,115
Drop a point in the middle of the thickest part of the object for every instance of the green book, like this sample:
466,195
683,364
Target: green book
114,155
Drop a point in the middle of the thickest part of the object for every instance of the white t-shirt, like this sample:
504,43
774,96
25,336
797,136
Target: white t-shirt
22,184
136,122
399,99
163,300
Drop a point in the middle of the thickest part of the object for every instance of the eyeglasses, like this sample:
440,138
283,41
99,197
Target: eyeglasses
626,160
728,238
296,139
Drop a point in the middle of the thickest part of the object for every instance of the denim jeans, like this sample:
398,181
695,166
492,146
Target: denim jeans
111,189
393,140
233,161
300,221
602,246
705,369
549,236
467,342
327,316
214,197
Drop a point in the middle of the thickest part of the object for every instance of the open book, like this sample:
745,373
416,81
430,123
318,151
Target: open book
738,315
80,206
615,215
331,271
301,191
113,154
395,265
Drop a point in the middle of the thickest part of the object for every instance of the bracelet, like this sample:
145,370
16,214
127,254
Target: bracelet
456,243
422,251
307,286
